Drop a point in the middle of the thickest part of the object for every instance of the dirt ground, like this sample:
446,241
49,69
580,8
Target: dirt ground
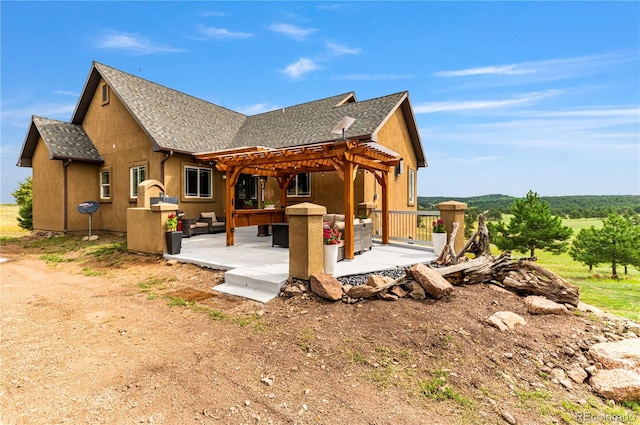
88,343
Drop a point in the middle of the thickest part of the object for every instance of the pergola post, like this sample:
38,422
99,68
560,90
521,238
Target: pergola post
384,183
348,209
230,203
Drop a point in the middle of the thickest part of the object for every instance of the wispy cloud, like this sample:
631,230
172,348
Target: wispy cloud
215,32
257,108
210,13
133,43
544,70
301,67
330,7
292,31
465,105
67,93
339,49
19,116
374,77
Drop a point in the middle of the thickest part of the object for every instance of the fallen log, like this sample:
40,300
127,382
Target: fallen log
531,279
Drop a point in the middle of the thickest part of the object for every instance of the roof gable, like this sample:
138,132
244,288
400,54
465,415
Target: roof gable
173,120
63,140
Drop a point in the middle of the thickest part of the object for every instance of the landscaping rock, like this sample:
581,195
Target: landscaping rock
416,291
326,286
362,291
387,296
432,282
541,305
623,354
577,373
559,376
398,292
506,320
617,384
377,280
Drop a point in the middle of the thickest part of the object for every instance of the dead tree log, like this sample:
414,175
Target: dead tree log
531,279
448,255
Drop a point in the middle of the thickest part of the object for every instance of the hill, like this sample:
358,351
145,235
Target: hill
565,206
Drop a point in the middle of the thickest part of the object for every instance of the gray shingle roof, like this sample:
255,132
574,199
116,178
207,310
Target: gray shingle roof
63,140
173,120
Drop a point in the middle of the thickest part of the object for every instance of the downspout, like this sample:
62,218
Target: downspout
166,156
65,209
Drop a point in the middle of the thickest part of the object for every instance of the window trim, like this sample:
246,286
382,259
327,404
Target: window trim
294,182
144,165
101,185
184,185
411,187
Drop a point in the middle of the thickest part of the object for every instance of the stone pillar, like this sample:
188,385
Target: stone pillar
305,239
450,212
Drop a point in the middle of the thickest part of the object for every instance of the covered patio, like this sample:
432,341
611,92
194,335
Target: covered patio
257,271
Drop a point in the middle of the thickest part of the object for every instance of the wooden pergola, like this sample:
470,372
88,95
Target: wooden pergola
283,164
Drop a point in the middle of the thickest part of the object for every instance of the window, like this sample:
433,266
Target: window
300,185
197,182
412,186
105,94
137,175
105,184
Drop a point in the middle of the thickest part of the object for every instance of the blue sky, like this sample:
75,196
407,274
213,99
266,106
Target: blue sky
508,96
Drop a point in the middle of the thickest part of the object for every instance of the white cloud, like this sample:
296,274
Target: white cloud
374,77
292,31
134,43
210,13
20,116
215,32
301,67
339,49
456,106
67,93
257,108
500,70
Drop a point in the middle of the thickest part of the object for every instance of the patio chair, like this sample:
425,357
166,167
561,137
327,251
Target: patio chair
207,222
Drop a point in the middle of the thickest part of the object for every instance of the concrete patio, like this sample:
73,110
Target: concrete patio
256,270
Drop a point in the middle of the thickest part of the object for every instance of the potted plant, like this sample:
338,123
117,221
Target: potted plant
439,236
269,205
174,238
248,204
331,241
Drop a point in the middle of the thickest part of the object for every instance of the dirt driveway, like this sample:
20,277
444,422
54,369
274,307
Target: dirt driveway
117,345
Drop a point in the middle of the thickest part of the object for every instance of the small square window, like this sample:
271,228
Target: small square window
105,184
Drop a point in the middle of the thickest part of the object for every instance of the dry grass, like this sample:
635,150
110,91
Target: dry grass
8,223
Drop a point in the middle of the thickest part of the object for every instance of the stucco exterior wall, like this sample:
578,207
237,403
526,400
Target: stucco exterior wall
47,191
123,144
82,185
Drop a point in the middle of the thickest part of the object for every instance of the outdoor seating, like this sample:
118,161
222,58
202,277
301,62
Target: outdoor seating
280,234
206,223
362,232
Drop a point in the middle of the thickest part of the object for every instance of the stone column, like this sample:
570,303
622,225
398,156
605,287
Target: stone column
305,239
450,212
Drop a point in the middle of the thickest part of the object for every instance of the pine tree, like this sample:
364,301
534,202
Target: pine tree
532,227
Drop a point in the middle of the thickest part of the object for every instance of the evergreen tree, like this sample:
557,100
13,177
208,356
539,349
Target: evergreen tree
617,243
532,227
22,195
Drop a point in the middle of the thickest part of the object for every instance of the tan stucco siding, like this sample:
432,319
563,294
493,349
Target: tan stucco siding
48,205
82,185
395,136
123,144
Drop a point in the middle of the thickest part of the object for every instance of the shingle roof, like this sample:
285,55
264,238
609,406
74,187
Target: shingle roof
182,123
63,140
173,120
312,122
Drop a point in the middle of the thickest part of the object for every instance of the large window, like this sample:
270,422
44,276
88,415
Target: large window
105,184
412,186
197,182
300,185
137,175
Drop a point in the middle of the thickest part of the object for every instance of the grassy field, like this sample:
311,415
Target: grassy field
8,223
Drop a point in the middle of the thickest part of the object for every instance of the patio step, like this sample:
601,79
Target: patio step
260,283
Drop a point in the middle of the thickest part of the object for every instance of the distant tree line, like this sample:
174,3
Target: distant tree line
590,206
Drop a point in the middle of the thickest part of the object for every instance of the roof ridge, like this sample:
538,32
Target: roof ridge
341,95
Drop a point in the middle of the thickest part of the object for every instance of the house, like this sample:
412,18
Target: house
126,129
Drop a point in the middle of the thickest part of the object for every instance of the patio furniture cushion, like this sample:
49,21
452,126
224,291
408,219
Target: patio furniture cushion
211,215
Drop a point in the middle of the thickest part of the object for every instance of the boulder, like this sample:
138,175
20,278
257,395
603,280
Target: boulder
506,320
398,292
558,375
541,305
617,384
326,286
577,373
623,354
432,282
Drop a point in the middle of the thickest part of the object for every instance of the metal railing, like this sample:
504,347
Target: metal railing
407,226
